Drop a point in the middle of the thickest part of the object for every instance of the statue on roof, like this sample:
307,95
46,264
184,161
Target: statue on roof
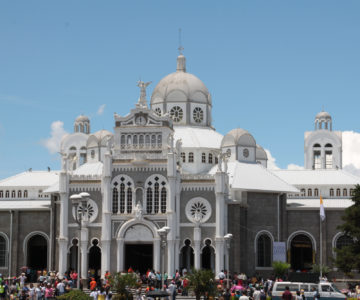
142,100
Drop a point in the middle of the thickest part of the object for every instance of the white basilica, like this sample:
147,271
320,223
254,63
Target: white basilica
164,165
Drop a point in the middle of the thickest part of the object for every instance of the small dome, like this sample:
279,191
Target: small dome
101,134
260,153
238,137
82,118
323,115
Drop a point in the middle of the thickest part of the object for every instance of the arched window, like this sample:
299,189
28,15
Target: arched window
135,140
159,140
122,141
216,160
302,192
203,158
153,141
344,192
331,192
344,240
309,192
264,251
210,158
147,141
129,139
156,194
338,192
316,192
141,141
13,194
7,194
25,194
351,192
122,194
1,194
191,157
3,248
183,157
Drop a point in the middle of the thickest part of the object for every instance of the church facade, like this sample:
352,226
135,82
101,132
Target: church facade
165,168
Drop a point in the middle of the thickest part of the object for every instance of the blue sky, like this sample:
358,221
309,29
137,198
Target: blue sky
269,65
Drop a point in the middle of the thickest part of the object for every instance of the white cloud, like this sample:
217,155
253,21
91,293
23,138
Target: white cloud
101,109
271,163
294,167
351,152
57,133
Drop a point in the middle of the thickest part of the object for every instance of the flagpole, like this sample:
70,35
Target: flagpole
320,247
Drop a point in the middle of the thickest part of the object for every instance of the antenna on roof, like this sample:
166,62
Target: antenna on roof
181,48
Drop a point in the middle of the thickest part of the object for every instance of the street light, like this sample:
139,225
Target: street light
163,232
79,200
227,238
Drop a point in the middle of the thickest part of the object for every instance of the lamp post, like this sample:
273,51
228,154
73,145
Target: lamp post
79,201
227,238
163,232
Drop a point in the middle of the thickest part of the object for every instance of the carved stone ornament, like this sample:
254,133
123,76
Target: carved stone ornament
138,211
198,210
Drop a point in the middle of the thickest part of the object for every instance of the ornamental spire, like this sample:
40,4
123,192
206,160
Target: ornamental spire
142,102
181,61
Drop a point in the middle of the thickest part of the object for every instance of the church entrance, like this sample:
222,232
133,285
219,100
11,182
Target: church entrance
187,256
139,257
207,256
94,258
37,252
301,253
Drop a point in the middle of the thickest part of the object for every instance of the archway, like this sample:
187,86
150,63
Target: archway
95,258
301,252
187,256
37,252
207,256
139,250
73,255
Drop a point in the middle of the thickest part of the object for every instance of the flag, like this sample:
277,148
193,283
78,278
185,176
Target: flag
322,210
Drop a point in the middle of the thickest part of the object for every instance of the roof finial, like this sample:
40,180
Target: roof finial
142,100
181,48
322,107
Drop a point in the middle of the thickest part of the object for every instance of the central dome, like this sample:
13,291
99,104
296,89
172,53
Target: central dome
176,91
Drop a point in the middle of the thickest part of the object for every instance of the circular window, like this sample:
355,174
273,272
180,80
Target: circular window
91,210
198,115
158,111
198,210
246,152
176,113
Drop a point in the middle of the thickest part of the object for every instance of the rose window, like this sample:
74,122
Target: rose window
176,113
91,210
198,115
198,210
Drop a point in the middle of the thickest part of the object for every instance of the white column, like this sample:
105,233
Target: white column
156,265
219,259
106,215
170,257
177,254
84,254
197,241
120,255
64,220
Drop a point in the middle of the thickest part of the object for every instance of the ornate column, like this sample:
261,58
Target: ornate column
120,255
84,253
106,213
64,208
197,242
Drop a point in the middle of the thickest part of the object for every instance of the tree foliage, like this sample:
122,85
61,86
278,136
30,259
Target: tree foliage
202,282
74,295
280,268
122,283
348,257
323,268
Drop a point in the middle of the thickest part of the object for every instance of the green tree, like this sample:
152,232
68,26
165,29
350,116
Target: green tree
202,282
317,268
348,257
74,295
280,268
122,283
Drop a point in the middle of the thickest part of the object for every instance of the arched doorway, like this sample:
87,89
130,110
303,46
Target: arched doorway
37,252
301,253
208,256
73,255
95,258
139,250
187,256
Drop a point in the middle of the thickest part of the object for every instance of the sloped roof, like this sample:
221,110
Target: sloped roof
198,137
254,177
31,179
94,168
317,177
314,204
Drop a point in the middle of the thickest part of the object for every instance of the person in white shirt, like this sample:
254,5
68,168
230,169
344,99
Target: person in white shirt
94,294
244,296
221,275
61,288
256,294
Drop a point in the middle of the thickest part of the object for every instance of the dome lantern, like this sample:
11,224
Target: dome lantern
323,120
82,124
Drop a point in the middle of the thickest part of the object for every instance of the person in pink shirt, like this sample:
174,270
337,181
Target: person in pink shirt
49,292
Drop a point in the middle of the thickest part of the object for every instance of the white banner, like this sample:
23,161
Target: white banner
279,251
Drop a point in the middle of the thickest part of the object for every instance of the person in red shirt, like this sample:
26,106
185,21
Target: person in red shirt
287,294
93,284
